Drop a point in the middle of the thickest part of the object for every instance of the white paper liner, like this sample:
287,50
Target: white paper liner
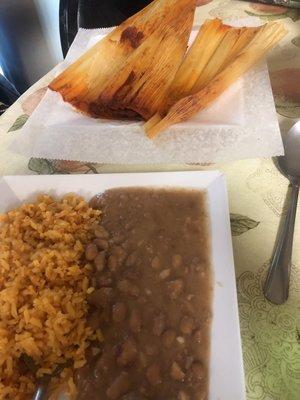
8,199
242,123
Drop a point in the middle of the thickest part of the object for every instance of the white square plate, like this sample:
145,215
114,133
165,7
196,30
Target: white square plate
226,364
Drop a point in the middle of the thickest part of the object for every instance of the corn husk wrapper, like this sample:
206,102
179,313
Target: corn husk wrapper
204,46
140,70
83,82
215,45
141,84
240,57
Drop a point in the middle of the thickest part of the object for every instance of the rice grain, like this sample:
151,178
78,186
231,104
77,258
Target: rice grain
43,289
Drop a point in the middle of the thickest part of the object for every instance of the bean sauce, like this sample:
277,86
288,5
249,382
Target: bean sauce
152,296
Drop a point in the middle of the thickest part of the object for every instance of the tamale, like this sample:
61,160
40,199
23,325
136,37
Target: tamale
82,82
215,45
264,39
204,46
141,84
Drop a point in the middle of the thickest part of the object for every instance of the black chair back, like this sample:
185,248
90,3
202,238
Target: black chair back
8,94
93,14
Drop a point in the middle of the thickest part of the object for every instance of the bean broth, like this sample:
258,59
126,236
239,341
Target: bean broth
152,299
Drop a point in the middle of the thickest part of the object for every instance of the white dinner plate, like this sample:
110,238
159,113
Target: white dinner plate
226,363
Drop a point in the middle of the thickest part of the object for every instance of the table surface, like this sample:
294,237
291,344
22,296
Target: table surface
270,334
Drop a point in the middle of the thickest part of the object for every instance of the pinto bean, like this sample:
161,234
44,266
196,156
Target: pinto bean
164,274
125,286
120,253
101,244
106,362
101,232
95,320
168,338
99,261
133,396
186,325
101,297
176,372
188,362
153,374
175,288
159,324
132,273
119,312
198,336
113,263
103,279
183,396
82,374
156,263
176,260
143,359
91,252
128,353
119,387
135,321
196,372
131,260
151,349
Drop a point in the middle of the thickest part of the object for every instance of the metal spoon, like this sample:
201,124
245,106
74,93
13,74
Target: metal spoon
43,382
276,287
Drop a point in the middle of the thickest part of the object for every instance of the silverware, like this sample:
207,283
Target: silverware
43,382
42,387
285,3
276,287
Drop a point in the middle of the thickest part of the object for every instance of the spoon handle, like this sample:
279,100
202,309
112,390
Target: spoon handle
276,287
40,393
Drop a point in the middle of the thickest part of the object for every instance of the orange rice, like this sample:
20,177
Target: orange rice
43,288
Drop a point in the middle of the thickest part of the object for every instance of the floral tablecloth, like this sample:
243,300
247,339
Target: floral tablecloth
270,334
